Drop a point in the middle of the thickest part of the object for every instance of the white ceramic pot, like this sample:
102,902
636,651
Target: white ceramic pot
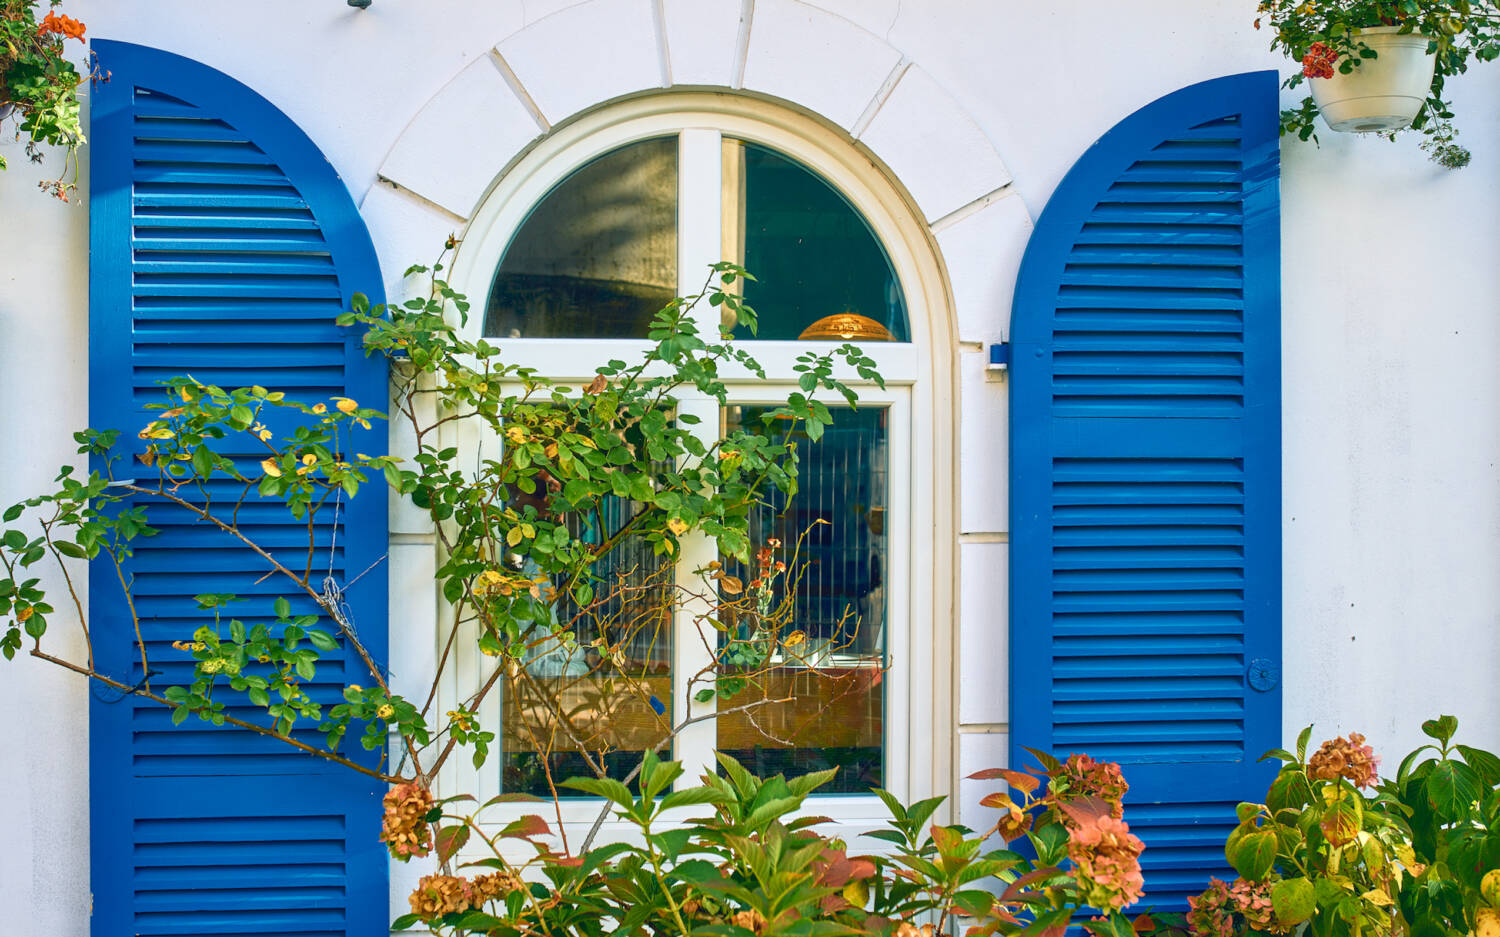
1382,94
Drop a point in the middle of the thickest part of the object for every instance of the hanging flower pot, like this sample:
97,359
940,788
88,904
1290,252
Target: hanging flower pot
1380,94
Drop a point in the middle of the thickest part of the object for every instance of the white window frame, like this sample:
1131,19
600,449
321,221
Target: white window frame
920,376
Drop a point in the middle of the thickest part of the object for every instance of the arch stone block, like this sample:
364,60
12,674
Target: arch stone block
451,150
702,39
406,230
813,58
934,147
983,252
585,54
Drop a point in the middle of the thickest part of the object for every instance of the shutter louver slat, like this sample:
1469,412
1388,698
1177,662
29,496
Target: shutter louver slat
1145,463
224,245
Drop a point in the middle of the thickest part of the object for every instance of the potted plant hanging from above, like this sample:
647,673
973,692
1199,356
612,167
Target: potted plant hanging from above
1379,66
39,85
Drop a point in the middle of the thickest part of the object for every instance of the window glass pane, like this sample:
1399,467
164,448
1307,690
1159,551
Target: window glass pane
821,273
830,655
606,666
597,257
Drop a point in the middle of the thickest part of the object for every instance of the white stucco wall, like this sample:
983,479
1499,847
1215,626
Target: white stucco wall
1391,331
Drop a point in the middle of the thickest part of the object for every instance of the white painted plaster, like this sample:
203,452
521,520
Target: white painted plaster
44,742
933,146
821,61
979,751
983,252
475,114
984,425
983,633
585,54
406,231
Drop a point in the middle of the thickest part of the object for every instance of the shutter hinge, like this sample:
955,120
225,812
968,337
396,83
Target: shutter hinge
999,356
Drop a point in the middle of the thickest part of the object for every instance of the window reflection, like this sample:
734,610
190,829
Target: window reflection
832,537
597,257
821,273
595,684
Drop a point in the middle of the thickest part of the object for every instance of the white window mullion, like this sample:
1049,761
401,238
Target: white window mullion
699,227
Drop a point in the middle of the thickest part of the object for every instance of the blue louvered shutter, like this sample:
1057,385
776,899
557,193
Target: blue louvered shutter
223,245
1145,473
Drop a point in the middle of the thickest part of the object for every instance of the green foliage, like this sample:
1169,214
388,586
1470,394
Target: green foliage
1326,35
1338,850
754,863
39,85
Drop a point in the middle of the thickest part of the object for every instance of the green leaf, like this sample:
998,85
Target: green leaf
1294,899
1441,728
1485,764
1253,855
1451,789
449,840
608,788
258,696
322,640
72,549
282,607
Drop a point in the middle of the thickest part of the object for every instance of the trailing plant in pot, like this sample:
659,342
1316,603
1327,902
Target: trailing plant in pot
39,85
1381,65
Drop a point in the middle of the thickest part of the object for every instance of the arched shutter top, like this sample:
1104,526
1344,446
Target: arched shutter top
1145,469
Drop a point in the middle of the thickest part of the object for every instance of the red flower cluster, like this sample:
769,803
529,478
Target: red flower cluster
1319,61
65,26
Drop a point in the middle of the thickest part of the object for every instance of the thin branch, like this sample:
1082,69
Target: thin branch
239,723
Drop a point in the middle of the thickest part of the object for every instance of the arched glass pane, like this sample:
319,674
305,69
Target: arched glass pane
597,257
821,272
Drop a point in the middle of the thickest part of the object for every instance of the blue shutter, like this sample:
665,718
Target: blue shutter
222,245
1145,469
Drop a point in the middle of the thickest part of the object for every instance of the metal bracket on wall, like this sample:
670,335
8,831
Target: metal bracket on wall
999,357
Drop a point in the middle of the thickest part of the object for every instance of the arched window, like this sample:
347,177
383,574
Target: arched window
574,250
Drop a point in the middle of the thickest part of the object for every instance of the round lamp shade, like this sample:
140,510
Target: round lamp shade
847,327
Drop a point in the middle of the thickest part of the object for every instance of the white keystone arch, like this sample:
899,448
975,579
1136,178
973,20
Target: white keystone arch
454,149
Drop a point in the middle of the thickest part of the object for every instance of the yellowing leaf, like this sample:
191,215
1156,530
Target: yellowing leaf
677,525
794,639
309,459
346,405
1377,896
271,468
319,408
513,537
731,585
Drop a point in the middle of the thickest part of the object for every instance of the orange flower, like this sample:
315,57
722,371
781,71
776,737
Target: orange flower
65,26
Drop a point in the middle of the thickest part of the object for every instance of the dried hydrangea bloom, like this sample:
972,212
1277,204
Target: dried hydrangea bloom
908,929
437,895
1211,913
1082,776
404,828
1349,758
1252,900
750,920
1106,861
497,885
